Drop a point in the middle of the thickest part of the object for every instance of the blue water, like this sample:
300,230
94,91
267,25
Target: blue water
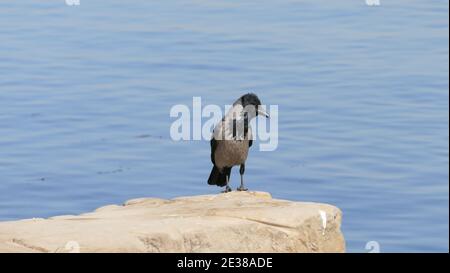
85,94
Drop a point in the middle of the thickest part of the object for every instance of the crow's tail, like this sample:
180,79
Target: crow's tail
217,177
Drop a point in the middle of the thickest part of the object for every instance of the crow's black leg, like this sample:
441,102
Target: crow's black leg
227,187
241,171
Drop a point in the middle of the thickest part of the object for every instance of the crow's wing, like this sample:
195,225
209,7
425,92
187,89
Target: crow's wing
213,148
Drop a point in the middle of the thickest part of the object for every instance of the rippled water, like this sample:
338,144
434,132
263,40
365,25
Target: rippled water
85,94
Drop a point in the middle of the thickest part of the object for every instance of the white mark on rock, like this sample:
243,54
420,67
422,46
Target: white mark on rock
323,215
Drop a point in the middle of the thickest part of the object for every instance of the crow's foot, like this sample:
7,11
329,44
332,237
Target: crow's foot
241,188
227,189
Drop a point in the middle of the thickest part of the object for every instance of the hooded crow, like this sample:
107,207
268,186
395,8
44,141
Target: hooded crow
232,137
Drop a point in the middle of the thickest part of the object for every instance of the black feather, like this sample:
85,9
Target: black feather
219,177
213,143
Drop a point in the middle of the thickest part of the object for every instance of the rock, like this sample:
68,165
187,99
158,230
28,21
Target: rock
230,222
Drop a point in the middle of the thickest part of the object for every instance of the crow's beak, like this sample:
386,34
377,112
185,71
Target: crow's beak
263,113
